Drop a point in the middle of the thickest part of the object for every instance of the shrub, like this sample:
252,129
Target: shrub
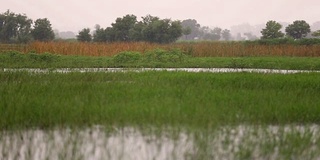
127,57
278,41
161,55
13,56
45,57
309,41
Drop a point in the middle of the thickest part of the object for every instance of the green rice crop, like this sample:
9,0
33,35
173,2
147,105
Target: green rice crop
200,100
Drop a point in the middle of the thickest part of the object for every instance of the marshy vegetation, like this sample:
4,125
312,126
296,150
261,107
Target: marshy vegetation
169,58
281,47
169,115
159,114
197,100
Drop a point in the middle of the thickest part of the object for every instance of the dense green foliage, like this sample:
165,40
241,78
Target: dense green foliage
127,57
14,28
198,32
316,33
84,35
299,29
157,98
17,28
226,35
288,41
272,30
42,30
154,58
150,29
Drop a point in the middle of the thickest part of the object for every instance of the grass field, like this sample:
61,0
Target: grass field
14,59
197,100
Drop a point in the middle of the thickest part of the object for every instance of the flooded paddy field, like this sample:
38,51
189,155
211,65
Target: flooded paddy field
227,142
207,70
119,114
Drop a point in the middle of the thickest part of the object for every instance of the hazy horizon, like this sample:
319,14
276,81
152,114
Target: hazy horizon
74,15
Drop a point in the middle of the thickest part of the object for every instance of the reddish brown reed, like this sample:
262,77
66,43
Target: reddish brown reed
201,49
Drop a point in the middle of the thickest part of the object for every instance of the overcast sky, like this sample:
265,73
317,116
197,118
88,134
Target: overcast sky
74,15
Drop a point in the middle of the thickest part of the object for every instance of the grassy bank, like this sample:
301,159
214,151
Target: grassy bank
155,58
198,100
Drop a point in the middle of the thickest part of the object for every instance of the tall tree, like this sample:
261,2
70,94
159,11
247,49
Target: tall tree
136,33
216,33
99,34
193,25
161,30
24,29
316,33
84,35
207,33
42,30
186,31
272,30
150,29
122,27
298,29
250,36
110,34
15,27
226,35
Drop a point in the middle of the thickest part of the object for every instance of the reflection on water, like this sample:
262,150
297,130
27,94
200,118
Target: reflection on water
209,70
239,142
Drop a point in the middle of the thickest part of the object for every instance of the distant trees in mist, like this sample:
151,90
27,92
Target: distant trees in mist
18,28
199,32
128,28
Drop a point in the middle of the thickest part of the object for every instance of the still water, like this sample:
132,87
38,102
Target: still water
210,70
223,143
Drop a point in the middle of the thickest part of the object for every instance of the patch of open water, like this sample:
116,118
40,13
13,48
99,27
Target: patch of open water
210,70
224,143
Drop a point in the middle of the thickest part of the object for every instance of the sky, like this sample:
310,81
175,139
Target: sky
74,15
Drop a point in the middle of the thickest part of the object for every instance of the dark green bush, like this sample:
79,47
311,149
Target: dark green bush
281,41
161,55
13,56
309,41
127,57
45,57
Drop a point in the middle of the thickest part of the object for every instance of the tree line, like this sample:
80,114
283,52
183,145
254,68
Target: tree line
152,29
128,28
18,28
297,30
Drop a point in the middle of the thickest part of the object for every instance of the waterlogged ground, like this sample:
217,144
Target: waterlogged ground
44,100
210,70
224,143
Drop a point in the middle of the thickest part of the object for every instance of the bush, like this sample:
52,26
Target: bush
45,57
127,57
161,55
13,56
280,41
309,41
